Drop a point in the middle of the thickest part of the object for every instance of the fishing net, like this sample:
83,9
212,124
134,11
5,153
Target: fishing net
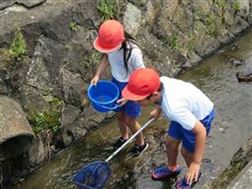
93,176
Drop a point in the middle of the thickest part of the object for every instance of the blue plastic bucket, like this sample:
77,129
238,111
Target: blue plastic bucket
103,96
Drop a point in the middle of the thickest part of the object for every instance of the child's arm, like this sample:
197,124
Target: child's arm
104,63
156,112
197,156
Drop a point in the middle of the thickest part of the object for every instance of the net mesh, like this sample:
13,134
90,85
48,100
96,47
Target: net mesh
93,176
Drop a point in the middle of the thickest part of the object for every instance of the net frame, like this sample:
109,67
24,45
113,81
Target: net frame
90,176
103,164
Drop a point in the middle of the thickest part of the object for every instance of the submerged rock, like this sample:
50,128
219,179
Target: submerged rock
236,61
244,76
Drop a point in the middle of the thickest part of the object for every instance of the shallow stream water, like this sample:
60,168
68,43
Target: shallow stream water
216,76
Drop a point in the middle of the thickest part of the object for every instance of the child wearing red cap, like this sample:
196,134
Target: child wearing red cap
191,114
123,56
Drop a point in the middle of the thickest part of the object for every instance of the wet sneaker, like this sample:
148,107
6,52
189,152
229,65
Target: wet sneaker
119,143
163,172
182,184
138,150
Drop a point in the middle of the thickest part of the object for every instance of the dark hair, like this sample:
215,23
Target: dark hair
127,51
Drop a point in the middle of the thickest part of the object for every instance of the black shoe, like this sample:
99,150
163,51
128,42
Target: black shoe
138,150
119,143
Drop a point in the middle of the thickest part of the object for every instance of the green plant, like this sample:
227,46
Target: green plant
56,103
18,45
45,120
211,26
173,41
89,63
107,8
191,42
73,26
220,3
236,6
91,59
198,15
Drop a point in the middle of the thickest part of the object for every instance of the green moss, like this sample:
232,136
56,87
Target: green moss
108,8
18,45
228,175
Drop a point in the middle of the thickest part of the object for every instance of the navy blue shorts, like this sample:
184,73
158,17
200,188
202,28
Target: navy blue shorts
187,136
131,108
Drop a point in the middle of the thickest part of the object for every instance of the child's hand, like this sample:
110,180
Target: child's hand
192,174
94,80
122,101
155,113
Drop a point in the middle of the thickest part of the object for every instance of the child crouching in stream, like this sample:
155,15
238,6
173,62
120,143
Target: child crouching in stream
191,114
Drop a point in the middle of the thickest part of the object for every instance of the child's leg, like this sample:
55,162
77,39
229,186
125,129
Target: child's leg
187,156
175,135
134,127
122,123
172,169
172,152
132,110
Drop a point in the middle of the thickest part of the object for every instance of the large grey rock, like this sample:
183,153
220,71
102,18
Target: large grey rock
6,3
30,3
74,88
42,77
27,3
132,19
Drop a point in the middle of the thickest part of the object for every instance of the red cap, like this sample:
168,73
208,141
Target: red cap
110,36
142,83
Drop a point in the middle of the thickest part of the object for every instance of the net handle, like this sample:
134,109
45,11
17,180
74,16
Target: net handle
130,139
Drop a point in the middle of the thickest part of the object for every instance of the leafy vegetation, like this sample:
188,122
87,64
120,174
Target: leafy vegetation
220,3
91,59
45,120
198,15
191,43
89,63
108,8
18,45
236,6
211,26
73,26
173,41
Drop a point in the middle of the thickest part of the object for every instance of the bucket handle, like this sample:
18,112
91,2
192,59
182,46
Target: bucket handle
110,108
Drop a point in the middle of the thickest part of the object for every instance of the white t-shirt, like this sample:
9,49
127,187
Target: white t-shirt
116,61
183,102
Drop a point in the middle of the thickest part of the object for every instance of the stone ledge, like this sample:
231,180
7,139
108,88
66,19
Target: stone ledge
234,171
